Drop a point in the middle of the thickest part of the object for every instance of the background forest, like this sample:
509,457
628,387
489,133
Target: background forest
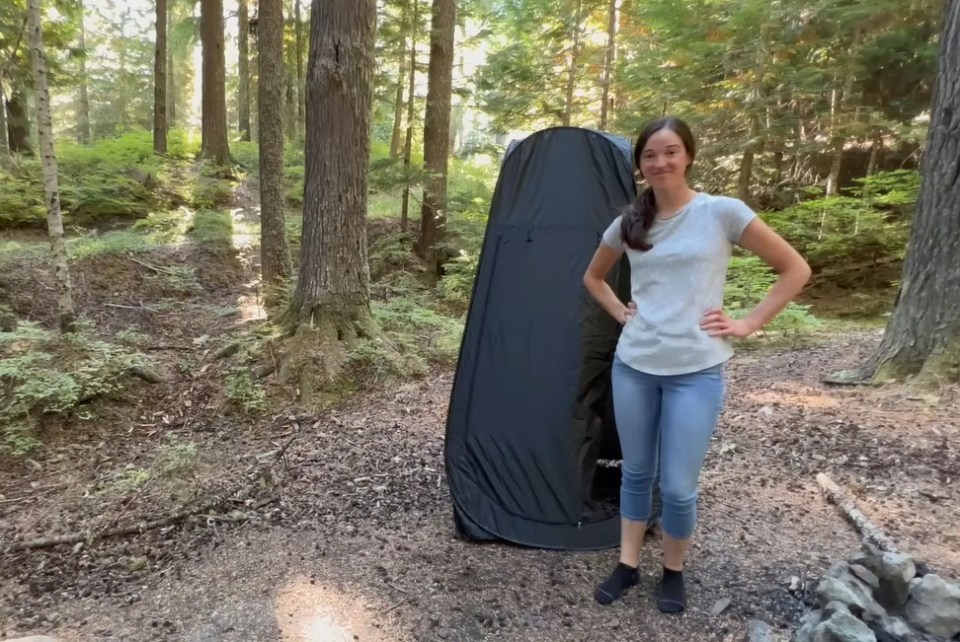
238,240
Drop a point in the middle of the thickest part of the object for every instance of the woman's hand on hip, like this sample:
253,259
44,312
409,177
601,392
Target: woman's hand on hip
628,313
717,324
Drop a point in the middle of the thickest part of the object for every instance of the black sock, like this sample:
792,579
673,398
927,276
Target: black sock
620,580
672,596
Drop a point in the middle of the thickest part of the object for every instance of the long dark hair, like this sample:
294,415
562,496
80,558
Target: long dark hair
638,217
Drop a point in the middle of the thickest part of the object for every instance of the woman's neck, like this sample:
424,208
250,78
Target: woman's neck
670,200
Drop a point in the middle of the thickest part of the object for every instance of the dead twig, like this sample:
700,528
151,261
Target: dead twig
868,530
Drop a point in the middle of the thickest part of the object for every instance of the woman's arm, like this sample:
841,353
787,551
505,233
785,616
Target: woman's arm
793,273
595,281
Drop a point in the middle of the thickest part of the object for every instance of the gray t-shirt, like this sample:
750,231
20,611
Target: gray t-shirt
676,282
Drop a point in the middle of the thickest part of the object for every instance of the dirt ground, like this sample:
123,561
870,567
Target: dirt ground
338,526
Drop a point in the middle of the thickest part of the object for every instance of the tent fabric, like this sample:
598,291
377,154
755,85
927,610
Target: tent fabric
530,409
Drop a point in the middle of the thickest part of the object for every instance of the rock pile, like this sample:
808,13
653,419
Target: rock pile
878,596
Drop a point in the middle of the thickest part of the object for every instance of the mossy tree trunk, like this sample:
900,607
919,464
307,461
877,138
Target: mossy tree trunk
51,190
160,80
922,336
215,144
331,304
436,135
274,251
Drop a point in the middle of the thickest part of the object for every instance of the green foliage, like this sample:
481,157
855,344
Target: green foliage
415,340
244,392
114,178
748,281
44,373
845,229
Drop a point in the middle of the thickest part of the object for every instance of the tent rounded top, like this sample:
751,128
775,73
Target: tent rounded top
618,141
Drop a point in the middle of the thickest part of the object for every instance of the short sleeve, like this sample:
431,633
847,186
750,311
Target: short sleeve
735,215
612,236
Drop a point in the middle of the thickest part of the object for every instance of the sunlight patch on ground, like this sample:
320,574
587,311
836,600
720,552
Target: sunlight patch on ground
250,309
793,399
244,234
312,613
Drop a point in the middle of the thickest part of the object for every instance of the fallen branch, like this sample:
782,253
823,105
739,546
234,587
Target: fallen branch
142,527
158,270
868,530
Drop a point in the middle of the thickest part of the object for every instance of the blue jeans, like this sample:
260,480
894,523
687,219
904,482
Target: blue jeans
665,422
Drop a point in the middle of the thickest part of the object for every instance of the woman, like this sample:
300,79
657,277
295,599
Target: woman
668,379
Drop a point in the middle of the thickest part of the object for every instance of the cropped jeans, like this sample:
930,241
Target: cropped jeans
665,423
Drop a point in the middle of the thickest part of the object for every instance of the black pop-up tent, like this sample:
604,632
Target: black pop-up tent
530,412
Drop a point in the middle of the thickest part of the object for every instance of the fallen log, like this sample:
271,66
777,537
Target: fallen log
868,530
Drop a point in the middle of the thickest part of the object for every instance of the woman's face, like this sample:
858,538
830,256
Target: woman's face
664,160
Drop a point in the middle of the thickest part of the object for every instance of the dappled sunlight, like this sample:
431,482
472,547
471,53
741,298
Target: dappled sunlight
245,235
799,399
309,612
250,309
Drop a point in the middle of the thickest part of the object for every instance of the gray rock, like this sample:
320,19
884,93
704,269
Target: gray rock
808,624
896,630
934,606
851,592
759,631
895,572
843,627
865,575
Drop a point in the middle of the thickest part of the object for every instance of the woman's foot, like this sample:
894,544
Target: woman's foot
612,588
672,597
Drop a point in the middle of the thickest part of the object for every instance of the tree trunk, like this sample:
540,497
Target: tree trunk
84,107
274,251
290,101
922,336
4,141
436,134
398,111
573,60
171,91
160,81
609,60
301,91
332,299
243,68
411,96
215,145
51,189
18,123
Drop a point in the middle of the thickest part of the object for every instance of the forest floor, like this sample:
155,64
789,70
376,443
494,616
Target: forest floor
337,525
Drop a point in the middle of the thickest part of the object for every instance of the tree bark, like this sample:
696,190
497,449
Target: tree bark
398,110
51,188
609,60
332,296
922,336
573,60
84,108
274,251
301,91
436,134
413,11
160,81
243,69
171,93
4,141
215,145
18,123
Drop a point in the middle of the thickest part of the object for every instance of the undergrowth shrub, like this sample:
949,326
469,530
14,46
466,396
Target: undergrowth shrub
109,180
42,372
748,281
